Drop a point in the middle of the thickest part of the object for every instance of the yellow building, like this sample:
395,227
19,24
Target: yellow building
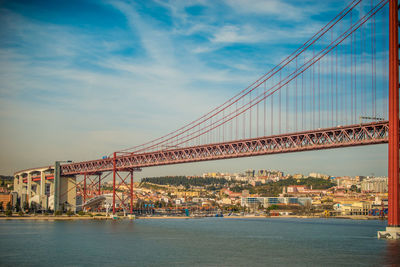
356,208
181,194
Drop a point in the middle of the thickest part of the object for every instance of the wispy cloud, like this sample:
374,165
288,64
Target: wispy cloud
282,10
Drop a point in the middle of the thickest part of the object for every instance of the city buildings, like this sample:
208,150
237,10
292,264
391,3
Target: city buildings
268,201
375,185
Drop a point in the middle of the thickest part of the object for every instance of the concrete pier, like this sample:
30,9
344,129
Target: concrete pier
390,233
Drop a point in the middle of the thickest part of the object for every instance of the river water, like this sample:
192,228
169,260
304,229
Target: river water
196,242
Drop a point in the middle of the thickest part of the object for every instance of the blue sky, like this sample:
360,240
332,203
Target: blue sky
81,79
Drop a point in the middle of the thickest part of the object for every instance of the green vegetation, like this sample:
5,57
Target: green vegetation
274,189
184,181
81,213
26,206
8,213
273,207
70,213
8,206
21,213
6,178
58,213
7,182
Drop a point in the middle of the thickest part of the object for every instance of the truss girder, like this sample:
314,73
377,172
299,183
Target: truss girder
342,136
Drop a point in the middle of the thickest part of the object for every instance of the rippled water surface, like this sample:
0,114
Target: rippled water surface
196,242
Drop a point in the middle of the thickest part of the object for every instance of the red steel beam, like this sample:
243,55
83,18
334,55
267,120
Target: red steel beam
114,169
341,136
393,161
131,194
99,189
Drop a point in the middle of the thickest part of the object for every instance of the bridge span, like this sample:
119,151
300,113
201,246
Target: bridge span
336,137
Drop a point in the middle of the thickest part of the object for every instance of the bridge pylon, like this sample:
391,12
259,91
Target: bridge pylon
393,229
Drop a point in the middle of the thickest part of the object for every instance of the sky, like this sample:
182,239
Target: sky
81,79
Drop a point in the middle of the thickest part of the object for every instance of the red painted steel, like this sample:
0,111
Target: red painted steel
99,187
125,200
393,171
47,177
131,193
341,136
84,188
114,169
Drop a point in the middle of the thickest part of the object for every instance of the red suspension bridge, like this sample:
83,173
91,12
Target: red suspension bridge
338,89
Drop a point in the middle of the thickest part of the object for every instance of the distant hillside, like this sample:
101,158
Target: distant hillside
183,180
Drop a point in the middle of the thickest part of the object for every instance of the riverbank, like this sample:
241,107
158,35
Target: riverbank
354,217
73,218
54,218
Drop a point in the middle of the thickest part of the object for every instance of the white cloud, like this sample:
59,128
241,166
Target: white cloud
235,34
278,8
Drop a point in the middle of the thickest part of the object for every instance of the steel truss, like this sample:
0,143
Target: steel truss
341,136
90,186
121,175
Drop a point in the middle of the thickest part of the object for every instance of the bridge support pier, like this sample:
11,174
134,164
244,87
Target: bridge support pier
390,233
122,176
393,229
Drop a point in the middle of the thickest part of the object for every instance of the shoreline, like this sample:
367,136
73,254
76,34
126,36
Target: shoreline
55,218
74,218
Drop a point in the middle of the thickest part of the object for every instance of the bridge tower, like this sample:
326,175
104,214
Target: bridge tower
393,229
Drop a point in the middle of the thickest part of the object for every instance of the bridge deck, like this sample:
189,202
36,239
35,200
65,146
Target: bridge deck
341,136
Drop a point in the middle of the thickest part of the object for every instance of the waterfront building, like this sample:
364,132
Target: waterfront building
355,208
268,201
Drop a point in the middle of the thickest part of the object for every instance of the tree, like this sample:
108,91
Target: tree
1,206
353,188
8,206
9,209
273,207
33,206
26,206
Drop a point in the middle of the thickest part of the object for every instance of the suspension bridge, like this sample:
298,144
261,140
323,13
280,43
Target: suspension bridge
338,89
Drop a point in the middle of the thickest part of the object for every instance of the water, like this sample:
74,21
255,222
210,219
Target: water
196,242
